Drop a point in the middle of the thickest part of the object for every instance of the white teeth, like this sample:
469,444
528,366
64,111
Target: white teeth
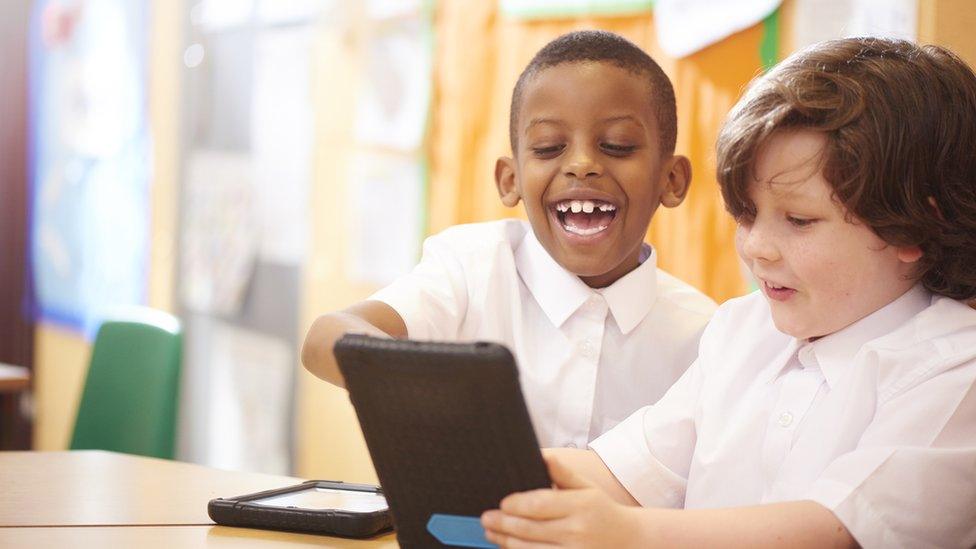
584,232
585,206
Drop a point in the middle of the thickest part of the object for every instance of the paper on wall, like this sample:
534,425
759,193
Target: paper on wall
219,233
248,410
542,9
686,26
819,20
390,9
394,99
386,216
282,119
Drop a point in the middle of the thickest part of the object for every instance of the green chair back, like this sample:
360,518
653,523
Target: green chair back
129,403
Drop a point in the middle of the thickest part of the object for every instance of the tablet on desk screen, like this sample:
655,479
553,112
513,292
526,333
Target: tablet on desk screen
315,506
319,498
448,431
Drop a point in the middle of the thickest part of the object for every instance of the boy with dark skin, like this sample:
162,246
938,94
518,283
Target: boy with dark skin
575,293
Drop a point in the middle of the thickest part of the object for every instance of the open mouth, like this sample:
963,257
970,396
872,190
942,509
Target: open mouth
779,293
585,217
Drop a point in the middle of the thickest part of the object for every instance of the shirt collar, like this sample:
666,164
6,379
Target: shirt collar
835,352
632,296
560,293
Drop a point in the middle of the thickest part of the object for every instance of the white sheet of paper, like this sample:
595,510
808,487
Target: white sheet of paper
290,11
389,9
818,20
385,231
219,240
282,119
250,391
686,26
216,15
541,9
394,98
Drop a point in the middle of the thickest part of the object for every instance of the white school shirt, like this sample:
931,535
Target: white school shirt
876,422
587,358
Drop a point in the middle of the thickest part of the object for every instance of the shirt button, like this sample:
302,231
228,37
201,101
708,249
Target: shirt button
785,419
586,348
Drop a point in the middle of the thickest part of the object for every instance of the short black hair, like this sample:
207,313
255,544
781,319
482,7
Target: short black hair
603,47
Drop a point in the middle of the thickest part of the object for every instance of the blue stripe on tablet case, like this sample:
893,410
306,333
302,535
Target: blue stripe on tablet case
458,531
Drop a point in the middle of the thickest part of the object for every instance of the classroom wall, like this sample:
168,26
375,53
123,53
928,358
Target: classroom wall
61,359
949,23
324,447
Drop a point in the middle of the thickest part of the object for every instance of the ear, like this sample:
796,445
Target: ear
505,181
909,254
677,179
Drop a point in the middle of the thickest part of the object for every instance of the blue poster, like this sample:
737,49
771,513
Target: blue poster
90,159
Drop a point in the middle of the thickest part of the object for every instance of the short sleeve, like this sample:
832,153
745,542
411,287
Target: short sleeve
911,481
432,298
650,452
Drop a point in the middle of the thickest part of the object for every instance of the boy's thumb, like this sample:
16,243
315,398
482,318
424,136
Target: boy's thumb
564,477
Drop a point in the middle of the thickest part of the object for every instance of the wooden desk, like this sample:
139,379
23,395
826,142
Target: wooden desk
168,537
13,379
105,499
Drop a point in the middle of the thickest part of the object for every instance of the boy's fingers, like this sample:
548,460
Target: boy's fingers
511,526
509,542
563,476
543,504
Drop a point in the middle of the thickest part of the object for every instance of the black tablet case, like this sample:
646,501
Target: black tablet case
445,424
240,511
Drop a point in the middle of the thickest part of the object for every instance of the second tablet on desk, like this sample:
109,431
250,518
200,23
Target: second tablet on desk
448,431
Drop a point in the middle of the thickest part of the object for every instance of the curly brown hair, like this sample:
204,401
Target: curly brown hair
900,123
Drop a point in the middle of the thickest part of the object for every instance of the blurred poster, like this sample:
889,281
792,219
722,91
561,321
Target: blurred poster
818,20
90,158
541,9
289,12
686,26
281,141
248,407
394,102
391,9
219,234
386,216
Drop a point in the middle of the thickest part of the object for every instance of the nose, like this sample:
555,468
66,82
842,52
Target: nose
581,163
756,243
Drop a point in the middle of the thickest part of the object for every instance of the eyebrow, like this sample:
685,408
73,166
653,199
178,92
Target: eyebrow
537,121
620,118
623,118
791,190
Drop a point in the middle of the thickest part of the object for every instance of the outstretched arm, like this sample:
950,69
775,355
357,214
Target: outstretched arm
580,514
373,318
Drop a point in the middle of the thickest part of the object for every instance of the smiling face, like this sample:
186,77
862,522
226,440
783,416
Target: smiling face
589,167
819,272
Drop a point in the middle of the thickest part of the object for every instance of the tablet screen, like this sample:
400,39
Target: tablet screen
327,498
